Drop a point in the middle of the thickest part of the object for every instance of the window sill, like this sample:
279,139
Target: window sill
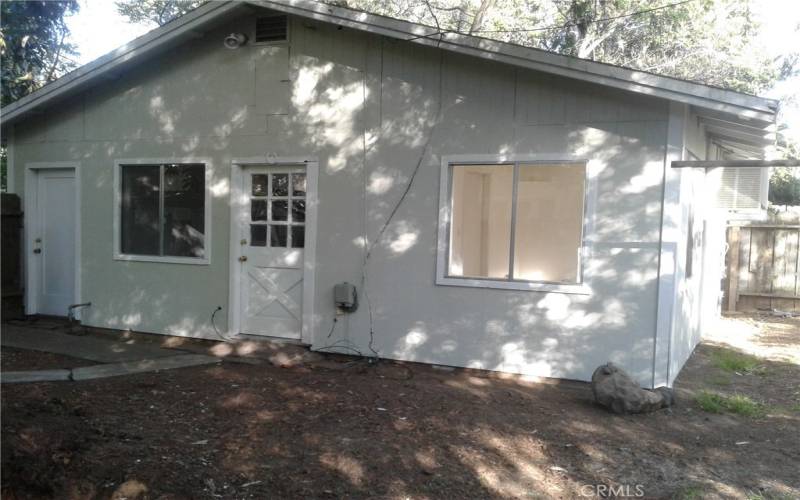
527,286
163,260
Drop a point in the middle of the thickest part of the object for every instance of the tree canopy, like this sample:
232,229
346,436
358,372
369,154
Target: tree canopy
784,186
34,45
159,12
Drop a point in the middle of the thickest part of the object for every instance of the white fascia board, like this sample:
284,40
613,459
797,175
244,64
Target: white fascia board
104,66
724,101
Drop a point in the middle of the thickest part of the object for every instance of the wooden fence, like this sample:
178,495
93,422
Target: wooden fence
11,266
763,263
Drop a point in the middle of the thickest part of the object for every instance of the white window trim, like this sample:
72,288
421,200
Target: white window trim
118,255
443,242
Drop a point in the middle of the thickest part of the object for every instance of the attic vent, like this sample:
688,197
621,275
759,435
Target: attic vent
271,29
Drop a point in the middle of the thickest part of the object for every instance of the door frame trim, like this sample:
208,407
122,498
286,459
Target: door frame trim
236,201
32,270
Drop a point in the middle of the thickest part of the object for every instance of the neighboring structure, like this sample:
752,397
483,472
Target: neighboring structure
502,207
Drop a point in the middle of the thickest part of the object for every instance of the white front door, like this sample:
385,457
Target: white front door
54,232
272,236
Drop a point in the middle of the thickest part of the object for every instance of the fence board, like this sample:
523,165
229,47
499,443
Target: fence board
765,267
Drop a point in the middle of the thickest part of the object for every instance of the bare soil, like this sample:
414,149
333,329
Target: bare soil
354,430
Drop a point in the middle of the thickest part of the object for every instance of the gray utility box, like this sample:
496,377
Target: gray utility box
345,296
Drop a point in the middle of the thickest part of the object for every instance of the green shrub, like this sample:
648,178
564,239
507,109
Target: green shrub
732,361
738,404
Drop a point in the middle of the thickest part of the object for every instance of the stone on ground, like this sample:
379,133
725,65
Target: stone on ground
616,390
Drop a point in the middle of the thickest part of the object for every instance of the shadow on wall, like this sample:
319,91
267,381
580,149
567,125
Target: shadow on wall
383,118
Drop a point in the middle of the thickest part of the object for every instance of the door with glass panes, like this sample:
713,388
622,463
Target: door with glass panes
272,257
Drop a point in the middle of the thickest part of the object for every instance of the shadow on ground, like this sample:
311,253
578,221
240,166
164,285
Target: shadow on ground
356,430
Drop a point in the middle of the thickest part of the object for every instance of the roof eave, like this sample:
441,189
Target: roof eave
757,109
106,65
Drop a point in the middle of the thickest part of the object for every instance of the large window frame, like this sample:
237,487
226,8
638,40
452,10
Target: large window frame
117,225
445,214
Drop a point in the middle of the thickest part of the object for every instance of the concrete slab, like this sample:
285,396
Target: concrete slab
142,366
91,348
34,376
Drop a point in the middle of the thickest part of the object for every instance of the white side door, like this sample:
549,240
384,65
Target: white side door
272,236
54,228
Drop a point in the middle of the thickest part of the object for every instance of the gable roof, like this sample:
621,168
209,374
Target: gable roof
737,117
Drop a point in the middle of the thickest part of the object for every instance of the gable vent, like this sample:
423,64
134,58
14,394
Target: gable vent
271,29
740,189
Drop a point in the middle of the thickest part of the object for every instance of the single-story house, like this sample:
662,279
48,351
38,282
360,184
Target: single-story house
480,204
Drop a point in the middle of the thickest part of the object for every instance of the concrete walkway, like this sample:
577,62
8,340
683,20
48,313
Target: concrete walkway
83,347
118,358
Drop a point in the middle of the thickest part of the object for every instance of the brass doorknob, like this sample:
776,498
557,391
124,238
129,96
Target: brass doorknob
243,258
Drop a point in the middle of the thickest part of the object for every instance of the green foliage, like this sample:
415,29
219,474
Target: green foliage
159,12
738,404
736,362
3,169
33,45
784,186
692,492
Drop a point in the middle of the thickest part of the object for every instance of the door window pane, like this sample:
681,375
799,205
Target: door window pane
298,210
298,236
298,184
277,236
258,210
184,210
280,210
480,231
259,184
139,211
280,184
549,221
258,235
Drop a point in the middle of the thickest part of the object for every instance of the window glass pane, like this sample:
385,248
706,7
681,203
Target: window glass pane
298,236
258,210
280,210
277,236
258,236
280,184
298,210
480,231
259,184
139,210
298,184
549,222
184,210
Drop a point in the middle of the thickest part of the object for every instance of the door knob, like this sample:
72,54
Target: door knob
37,250
243,258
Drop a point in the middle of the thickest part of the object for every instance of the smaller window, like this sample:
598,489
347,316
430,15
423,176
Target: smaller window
162,210
271,29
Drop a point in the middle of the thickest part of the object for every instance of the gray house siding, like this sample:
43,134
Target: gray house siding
327,94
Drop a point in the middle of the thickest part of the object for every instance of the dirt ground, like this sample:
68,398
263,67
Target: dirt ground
396,431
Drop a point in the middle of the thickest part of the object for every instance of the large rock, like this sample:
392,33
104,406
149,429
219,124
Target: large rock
615,389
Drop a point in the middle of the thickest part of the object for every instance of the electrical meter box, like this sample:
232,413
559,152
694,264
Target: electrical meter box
345,296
